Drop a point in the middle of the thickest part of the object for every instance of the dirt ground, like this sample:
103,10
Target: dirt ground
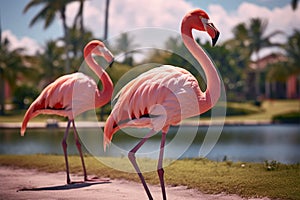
18,184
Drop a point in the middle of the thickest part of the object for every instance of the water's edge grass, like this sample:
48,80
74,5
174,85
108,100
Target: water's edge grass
269,179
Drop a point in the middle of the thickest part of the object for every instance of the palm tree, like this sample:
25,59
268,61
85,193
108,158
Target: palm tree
294,4
283,71
292,48
48,13
125,44
79,17
249,40
78,31
239,59
258,41
50,62
77,41
11,65
239,45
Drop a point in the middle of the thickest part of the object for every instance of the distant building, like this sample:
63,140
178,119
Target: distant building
284,86
7,90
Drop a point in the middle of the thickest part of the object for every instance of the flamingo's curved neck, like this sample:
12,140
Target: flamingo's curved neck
103,96
213,89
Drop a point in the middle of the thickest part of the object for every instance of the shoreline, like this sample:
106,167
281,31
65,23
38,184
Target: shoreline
92,124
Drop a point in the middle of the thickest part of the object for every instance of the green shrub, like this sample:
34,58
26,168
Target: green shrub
24,95
292,117
230,111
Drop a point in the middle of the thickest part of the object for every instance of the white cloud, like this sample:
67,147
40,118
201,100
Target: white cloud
131,14
284,19
127,15
30,46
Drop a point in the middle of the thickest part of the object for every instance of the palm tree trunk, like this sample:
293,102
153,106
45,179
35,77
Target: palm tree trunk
257,82
257,77
105,38
106,19
294,4
79,17
267,90
2,94
2,87
66,38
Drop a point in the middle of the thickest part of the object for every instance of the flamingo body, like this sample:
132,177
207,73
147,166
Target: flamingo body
165,95
156,99
73,94
57,98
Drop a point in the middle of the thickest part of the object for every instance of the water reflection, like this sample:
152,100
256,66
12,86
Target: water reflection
237,143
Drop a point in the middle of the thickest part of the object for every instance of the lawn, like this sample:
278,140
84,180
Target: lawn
268,109
273,180
248,113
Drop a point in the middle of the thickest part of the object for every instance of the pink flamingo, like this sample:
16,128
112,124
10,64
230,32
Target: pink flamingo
59,97
165,95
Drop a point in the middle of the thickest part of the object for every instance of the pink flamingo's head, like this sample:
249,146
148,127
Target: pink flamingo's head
199,20
98,48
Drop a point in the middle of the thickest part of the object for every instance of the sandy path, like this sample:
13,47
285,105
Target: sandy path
29,184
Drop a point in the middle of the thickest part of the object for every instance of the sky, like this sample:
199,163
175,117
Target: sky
132,15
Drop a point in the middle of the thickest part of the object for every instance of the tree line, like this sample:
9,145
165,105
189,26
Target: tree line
27,75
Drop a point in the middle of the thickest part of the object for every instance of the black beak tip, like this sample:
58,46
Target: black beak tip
215,39
111,63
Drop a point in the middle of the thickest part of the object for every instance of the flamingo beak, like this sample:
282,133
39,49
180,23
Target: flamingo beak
213,32
111,63
215,39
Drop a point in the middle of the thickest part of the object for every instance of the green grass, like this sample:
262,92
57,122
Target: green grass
249,113
273,180
266,111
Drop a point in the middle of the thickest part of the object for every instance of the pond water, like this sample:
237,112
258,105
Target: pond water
236,143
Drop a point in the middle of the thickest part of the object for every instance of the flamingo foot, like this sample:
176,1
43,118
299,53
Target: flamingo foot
69,180
96,179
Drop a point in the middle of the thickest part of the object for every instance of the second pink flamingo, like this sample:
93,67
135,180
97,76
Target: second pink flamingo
165,95
73,94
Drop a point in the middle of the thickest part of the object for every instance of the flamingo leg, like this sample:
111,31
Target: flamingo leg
160,169
131,156
78,144
64,146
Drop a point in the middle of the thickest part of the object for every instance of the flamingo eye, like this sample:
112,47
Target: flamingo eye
204,20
